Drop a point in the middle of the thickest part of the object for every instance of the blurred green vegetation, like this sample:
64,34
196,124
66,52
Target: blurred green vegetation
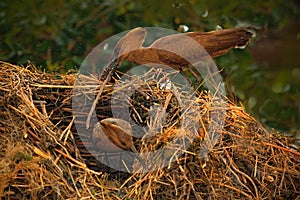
57,35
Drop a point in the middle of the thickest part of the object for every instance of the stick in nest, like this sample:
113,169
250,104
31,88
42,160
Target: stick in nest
109,71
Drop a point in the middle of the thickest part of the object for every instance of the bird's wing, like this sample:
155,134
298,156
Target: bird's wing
214,42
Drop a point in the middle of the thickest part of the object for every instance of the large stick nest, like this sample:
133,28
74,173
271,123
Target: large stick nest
43,156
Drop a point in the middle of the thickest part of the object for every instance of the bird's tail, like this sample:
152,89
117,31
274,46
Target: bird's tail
219,42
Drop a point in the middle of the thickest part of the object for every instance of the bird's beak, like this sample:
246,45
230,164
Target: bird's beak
133,149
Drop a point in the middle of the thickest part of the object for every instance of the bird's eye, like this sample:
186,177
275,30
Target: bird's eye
123,144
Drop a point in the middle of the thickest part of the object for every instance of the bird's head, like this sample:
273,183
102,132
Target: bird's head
119,133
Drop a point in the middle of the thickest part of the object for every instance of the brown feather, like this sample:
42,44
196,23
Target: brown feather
166,50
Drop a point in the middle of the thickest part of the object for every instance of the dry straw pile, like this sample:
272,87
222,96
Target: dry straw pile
42,155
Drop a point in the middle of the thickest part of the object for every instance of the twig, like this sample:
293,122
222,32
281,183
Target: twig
112,67
281,148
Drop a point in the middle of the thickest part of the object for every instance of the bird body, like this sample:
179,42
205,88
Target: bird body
178,50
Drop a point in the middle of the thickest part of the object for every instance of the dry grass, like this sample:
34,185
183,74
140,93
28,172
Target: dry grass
42,155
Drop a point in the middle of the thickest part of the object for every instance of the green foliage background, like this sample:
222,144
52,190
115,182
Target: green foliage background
57,35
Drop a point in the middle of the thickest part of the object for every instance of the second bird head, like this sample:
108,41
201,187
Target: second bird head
113,134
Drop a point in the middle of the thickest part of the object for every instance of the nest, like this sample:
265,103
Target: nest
44,156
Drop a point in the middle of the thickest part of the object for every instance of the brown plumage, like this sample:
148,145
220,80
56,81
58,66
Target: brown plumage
177,50
112,134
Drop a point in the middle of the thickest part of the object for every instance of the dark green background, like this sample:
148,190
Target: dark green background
265,77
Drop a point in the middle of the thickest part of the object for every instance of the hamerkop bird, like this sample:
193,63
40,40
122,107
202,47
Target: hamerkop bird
214,43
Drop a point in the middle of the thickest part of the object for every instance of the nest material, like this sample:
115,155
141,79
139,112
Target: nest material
42,155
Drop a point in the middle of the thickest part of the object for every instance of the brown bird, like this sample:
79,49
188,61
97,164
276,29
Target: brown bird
178,50
112,135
